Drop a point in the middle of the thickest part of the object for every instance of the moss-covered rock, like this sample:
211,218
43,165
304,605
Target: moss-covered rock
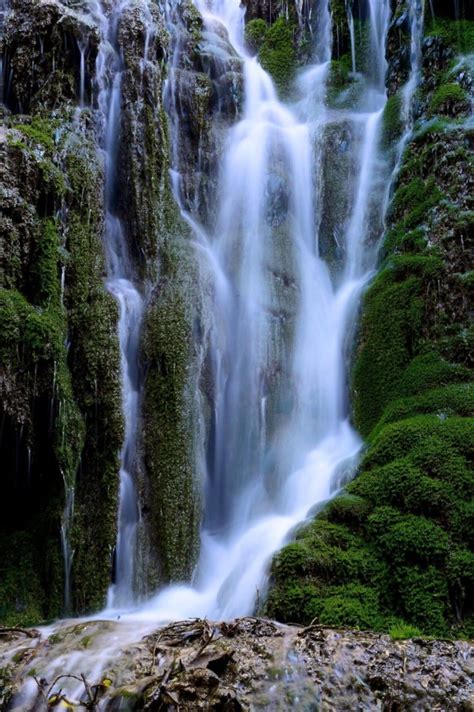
450,99
255,31
42,51
144,191
277,53
172,350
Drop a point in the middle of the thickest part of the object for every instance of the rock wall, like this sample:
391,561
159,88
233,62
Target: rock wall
394,550
60,387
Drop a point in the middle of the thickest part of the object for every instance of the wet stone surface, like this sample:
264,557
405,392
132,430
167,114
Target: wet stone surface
248,664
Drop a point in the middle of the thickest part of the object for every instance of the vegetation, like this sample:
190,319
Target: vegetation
58,329
255,32
276,45
395,551
458,34
449,99
392,126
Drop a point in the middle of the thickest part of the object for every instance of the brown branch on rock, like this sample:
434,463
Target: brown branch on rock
52,699
24,631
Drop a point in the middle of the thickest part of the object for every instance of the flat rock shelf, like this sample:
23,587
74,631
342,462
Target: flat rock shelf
247,664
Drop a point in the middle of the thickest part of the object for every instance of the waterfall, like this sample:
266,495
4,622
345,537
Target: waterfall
416,17
120,283
281,438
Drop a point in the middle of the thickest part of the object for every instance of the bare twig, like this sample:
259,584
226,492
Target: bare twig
24,631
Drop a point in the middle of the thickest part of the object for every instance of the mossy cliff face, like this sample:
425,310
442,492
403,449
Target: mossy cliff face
68,398
60,393
173,348
204,98
60,387
396,548
144,192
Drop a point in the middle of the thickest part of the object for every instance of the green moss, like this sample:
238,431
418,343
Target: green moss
406,522
404,538
386,352
277,53
46,266
351,605
411,202
22,601
339,72
404,631
392,121
94,363
255,33
169,412
60,357
449,99
40,131
458,34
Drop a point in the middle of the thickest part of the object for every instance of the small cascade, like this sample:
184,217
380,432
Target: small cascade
417,19
350,23
82,73
120,283
66,523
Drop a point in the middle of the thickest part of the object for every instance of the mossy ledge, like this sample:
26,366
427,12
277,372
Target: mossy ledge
394,552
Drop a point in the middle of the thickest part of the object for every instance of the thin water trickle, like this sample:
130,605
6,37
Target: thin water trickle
350,22
120,283
66,523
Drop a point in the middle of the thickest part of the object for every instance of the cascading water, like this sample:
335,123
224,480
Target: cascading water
281,440
120,284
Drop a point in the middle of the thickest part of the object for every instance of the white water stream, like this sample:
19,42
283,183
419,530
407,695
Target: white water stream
264,481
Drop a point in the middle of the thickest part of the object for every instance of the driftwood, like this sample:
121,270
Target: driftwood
30,633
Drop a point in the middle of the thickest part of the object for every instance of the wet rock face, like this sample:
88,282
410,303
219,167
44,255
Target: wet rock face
143,152
205,97
261,9
398,47
42,48
58,343
247,664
